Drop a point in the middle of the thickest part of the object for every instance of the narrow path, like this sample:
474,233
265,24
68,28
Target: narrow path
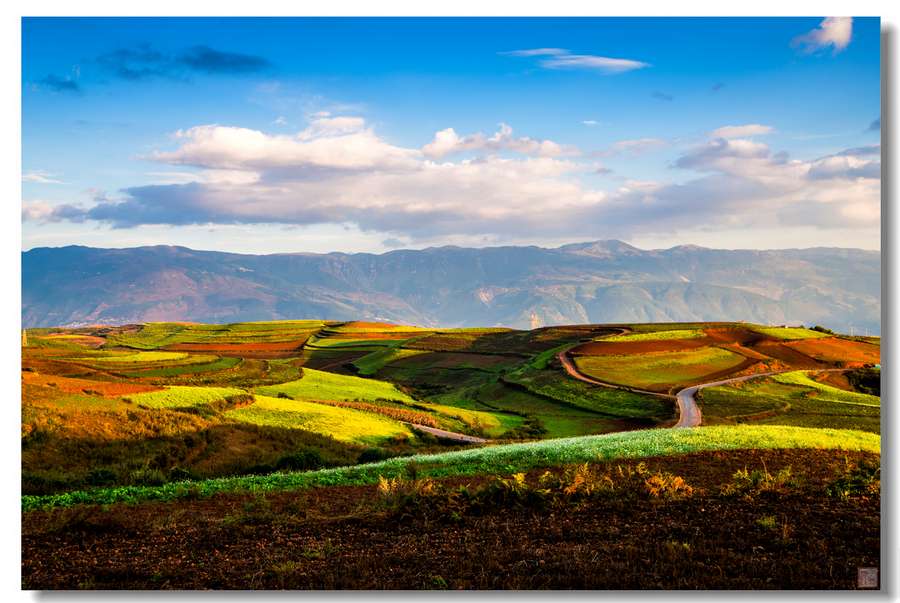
448,434
690,412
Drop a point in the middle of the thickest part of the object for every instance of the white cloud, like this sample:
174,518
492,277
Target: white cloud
448,141
740,131
339,143
36,210
340,172
41,177
559,58
280,121
833,31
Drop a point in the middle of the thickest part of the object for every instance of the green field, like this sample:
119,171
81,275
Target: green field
176,396
658,335
790,399
319,385
345,424
785,333
139,357
647,370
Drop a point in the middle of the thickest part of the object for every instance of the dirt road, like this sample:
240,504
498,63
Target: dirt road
448,434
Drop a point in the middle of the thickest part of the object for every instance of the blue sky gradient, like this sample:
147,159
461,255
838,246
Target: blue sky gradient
267,135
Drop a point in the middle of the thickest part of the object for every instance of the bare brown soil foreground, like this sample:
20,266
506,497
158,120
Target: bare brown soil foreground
792,537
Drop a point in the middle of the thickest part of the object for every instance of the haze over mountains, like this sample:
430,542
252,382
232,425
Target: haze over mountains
600,282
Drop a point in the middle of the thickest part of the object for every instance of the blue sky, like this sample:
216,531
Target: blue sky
268,135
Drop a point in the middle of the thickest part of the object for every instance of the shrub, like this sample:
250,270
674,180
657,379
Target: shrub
372,455
303,460
860,481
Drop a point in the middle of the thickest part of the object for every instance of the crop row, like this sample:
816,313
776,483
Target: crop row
178,396
320,385
660,335
222,364
509,458
399,414
345,424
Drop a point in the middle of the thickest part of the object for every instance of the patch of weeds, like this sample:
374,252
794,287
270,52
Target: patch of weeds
752,483
576,484
767,521
640,481
320,552
861,480
436,582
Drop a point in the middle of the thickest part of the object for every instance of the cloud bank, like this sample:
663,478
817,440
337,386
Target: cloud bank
340,171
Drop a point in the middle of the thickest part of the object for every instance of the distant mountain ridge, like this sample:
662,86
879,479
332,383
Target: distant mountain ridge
596,282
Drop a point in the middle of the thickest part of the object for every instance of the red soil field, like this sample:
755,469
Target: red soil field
834,349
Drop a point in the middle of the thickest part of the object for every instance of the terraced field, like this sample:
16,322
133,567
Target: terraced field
129,413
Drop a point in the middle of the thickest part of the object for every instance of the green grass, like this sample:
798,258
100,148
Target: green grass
222,364
784,333
612,402
345,424
790,399
646,370
658,335
176,396
369,365
364,344
493,460
540,361
320,385
136,357
827,392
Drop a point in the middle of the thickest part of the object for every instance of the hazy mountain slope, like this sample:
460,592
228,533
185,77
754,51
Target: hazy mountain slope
603,281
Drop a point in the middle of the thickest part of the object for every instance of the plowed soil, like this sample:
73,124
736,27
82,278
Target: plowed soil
342,538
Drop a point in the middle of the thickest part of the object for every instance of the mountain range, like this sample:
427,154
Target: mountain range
599,282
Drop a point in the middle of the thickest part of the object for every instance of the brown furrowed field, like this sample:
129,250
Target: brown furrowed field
211,417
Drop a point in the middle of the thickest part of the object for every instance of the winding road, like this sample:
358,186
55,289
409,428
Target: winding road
690,412
687,406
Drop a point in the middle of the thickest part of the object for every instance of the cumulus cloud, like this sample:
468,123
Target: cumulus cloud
341,172
447,142
833,31
713,154
328,144
740,131
560,58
